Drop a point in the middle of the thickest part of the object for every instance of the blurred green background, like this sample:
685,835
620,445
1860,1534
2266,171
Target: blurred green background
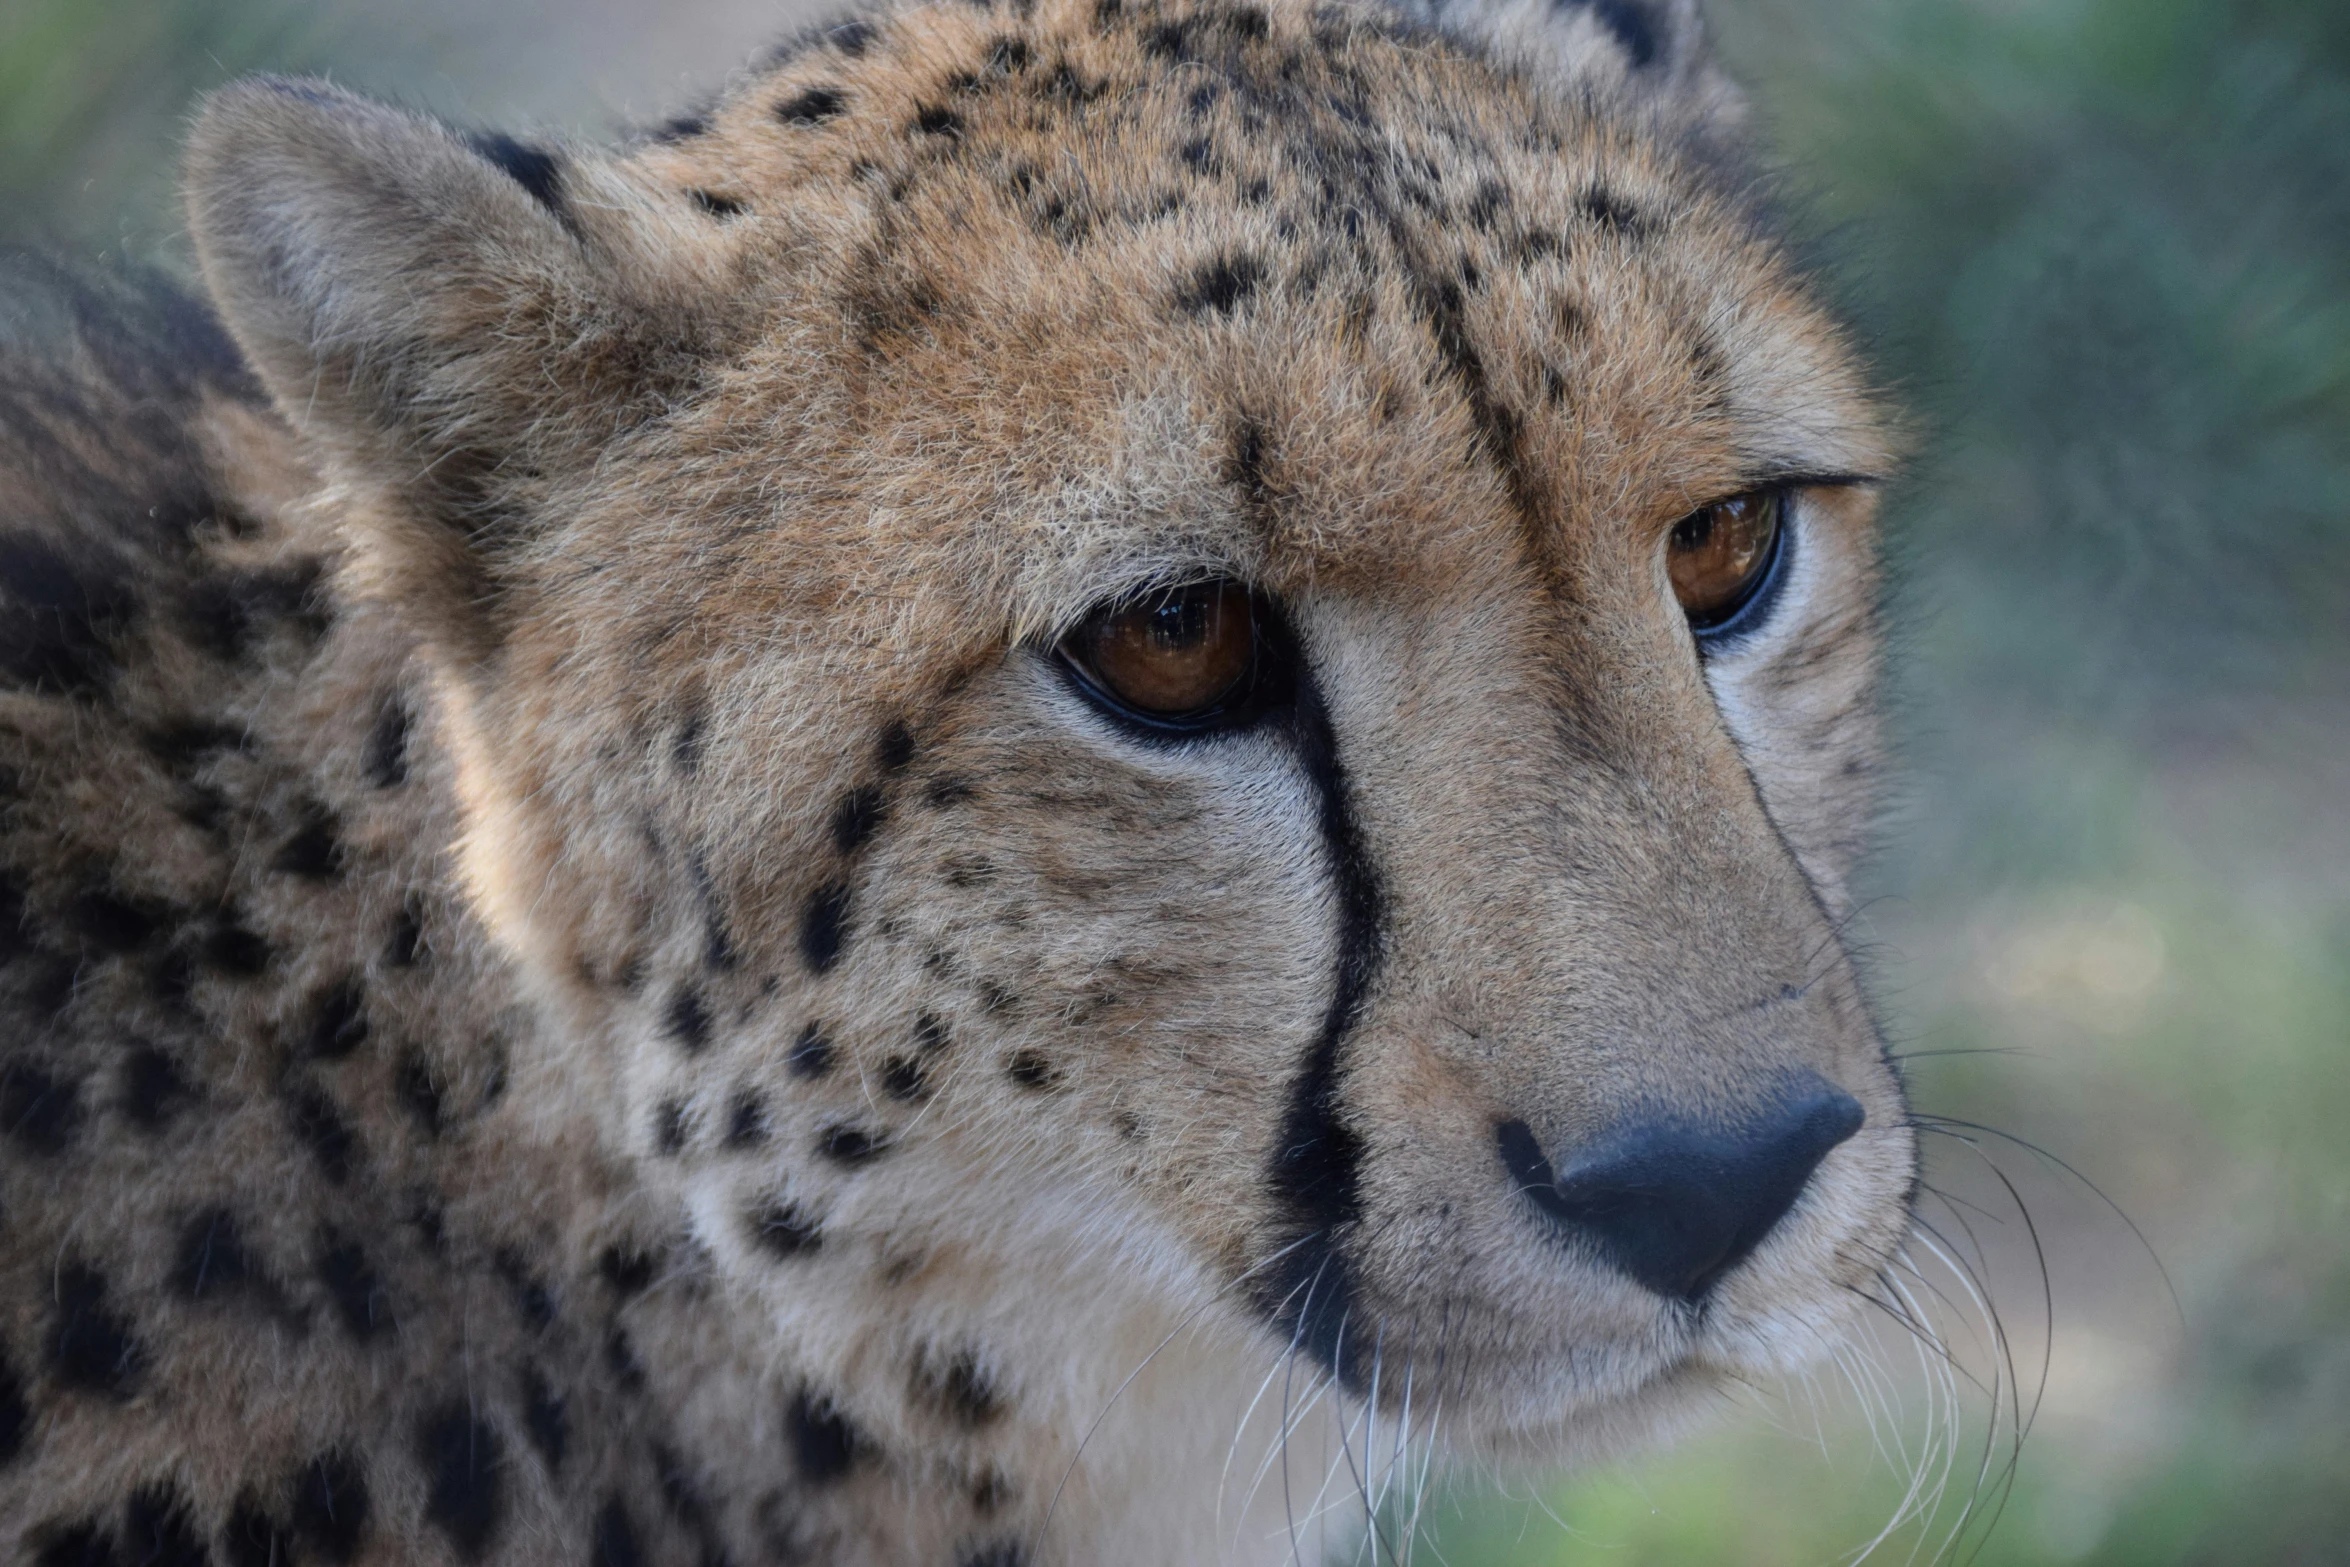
2102,248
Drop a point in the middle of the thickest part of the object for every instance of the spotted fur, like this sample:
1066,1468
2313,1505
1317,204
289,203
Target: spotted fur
578,984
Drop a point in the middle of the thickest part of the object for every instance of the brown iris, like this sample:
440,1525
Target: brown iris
1720,555
1174,655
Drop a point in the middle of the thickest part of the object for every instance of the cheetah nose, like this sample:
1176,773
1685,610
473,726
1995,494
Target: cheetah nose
1677,1205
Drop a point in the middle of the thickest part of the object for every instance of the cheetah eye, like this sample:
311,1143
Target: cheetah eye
1721,557
1182,658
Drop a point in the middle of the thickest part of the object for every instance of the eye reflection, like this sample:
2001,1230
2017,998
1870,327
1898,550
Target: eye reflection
1176,655
1719,556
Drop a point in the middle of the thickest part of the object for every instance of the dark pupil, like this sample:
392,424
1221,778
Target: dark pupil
1179,622
1693,531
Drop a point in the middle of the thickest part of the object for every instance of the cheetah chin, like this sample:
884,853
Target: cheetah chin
1041,797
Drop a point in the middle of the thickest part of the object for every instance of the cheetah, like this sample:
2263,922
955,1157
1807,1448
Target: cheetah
1079,777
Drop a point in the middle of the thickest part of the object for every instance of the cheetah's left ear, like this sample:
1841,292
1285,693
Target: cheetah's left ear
449,318
1652,50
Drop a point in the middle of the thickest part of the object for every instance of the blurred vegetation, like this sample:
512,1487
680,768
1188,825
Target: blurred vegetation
2103,250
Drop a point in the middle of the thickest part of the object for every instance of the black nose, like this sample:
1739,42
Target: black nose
1677,1205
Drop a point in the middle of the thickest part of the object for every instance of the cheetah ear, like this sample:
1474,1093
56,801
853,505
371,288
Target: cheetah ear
1655,50
449,318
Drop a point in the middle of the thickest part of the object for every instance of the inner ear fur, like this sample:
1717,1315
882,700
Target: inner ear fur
449,320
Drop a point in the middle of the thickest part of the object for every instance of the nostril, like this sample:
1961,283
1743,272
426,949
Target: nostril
1678,1204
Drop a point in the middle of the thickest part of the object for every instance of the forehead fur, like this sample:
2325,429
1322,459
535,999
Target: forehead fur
1305,294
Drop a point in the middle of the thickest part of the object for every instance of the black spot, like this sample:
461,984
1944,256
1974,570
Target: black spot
532,168
902,1079
851,1145
990,1492
1199,154
1219,285
614,1543
1611,211
58,622
947,789
406,940
16,1413
629,1270
252,1538
688,1020
669,1127
811,1056
413,1084
620,1358
340,1024
90,1345
40,1113
424,1213
1008,56
686,749
896,748
232,949
850,38
960,1388
1630,21
82,1544
351,1283
322,1129
330,1507
183,746
824,926
933,119
1128,1125
157,1532
212,1260
715,205
811,107
313,850
681,127
784,1231
678,1490
544,1417
386,762
1001,1553
1031,1070
746,1121
111,923
460,1454
823,1444
859,812
1167,40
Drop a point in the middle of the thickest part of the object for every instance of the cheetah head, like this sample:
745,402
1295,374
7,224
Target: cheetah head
1140,651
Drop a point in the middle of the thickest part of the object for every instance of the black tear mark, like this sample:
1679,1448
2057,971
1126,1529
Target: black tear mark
614,1543
903,1079
322,1130
960,1388
1630,21
1219,284
340,1024
1031,1070
688,1019
544,1417
716,206
860,811
824,926
823,1443
811,1056
460,1454
359,1296
851,1145
330,1507
1317,1166
386,761
533,168
811,107
746,1120
157,1530
784,1231
91,1346
40,1113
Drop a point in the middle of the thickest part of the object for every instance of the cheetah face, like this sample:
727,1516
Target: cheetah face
1217,653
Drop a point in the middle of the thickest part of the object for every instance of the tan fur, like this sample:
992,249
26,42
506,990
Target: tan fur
708,514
